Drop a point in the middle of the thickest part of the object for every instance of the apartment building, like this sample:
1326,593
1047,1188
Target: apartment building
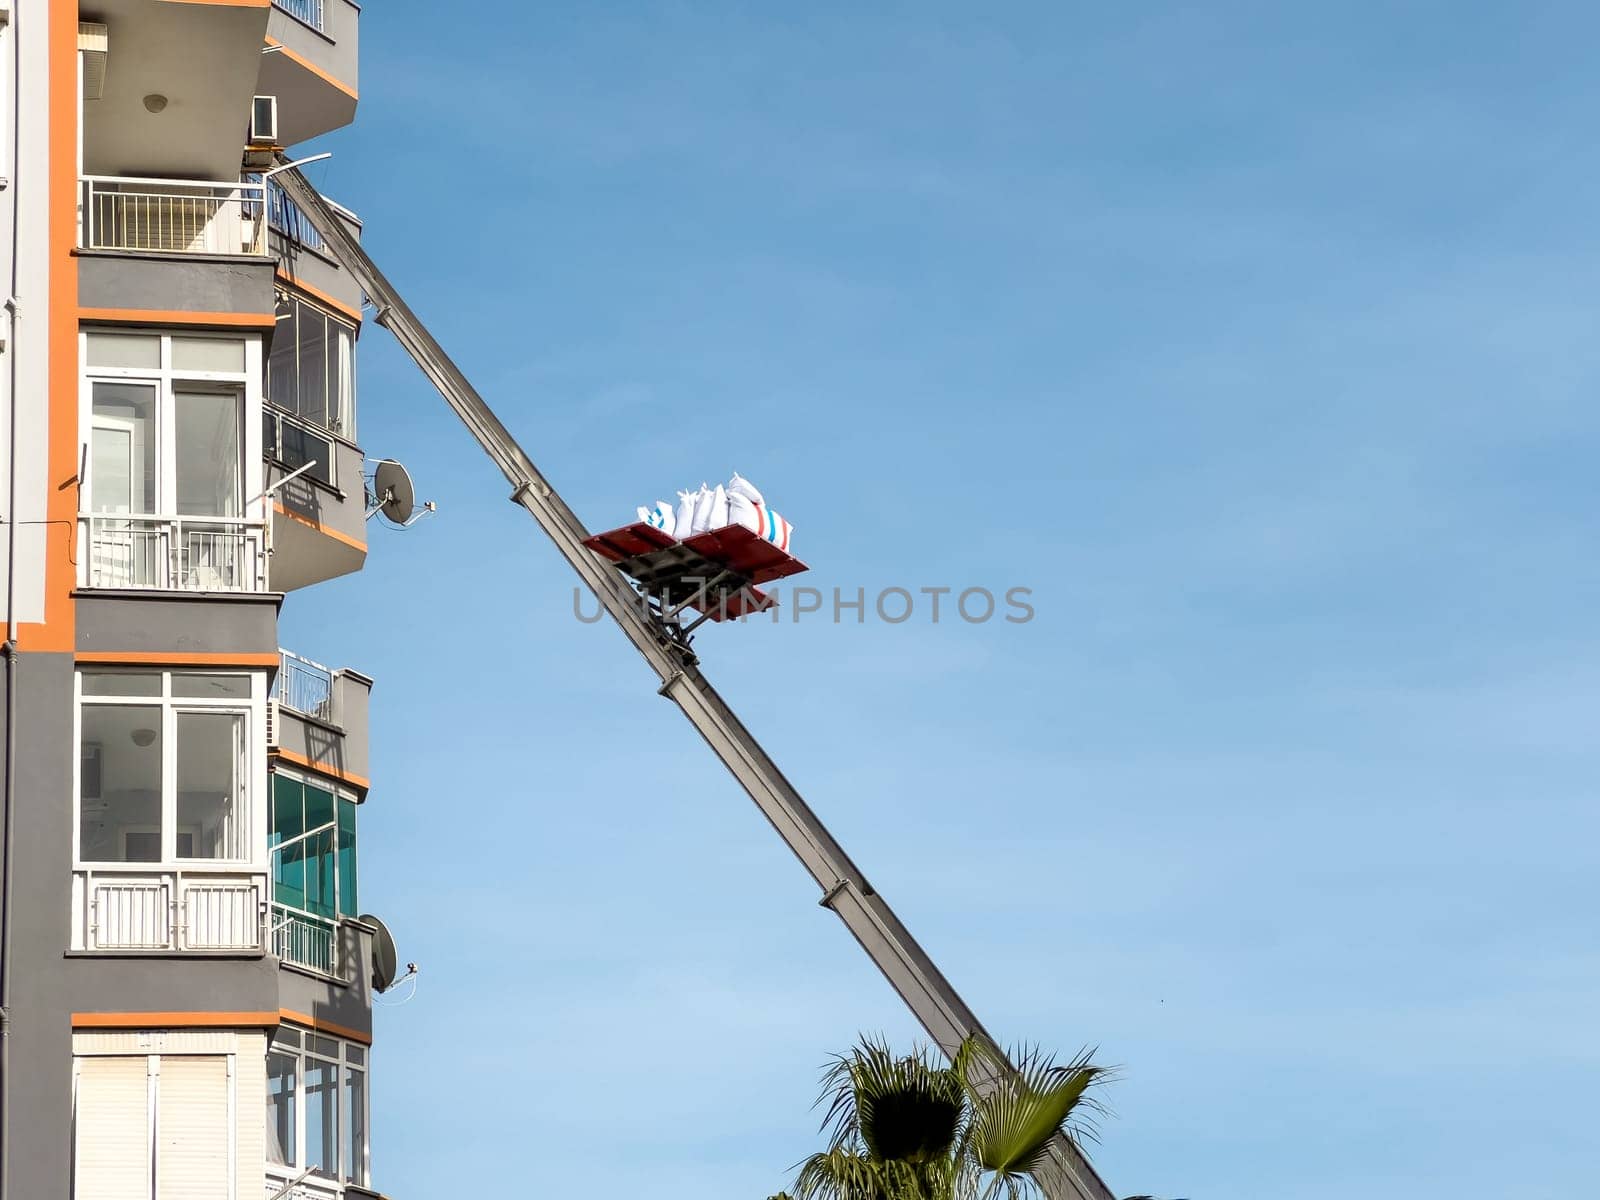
185,968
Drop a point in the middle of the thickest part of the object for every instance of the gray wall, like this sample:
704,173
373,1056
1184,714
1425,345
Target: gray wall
177,283
317,270
348,1004
171,622
341,744
342,508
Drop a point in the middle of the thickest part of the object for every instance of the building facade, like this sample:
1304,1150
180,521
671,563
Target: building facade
186,972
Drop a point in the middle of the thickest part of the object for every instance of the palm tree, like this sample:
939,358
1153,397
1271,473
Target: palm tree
910,1128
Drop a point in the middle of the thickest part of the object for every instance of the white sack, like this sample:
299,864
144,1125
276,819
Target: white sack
775,529
719,508
740,486
683,515
645,515
663,518
743,511
702,509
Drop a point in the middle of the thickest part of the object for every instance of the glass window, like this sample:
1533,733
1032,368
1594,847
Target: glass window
322,1116
123,448
138,350
208,354
323,1080
298,446
311,367
282,1069
211,771
354,1123
347,858
210,457
121,683
206,687
119,798
163,779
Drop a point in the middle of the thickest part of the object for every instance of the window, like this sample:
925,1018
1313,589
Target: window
317,1104
166,765
292,445
169,473
167,423
311,370
153,1126
313,840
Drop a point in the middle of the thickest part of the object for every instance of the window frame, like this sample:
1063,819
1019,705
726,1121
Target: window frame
301,1050
341,794
342,423
169,379
254,711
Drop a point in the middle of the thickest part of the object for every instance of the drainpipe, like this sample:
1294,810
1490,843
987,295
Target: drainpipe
8,799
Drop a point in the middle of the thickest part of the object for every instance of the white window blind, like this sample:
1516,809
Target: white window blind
192,1129
112,1126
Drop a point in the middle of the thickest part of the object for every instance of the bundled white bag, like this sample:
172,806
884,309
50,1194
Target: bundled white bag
743,511
740,486
719,508
660,517
683,515
703,502
775,529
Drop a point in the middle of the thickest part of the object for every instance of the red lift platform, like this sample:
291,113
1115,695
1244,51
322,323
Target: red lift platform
716,572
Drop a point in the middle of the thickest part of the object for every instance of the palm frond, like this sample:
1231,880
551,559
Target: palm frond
842,1175
895,1108
1016,1110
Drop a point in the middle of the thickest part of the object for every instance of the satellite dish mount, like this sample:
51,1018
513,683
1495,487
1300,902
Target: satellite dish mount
392,495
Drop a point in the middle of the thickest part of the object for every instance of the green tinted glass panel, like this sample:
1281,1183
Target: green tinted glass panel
319,874
319,807
347,858
288,809
289,875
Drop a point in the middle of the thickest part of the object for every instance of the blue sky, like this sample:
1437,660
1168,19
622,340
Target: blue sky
1258,341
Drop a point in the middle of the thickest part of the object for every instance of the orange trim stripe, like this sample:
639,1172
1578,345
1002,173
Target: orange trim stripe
172,1020
313,68
322,768
321,528
318,295
184,658
159,316
344,1031
226,3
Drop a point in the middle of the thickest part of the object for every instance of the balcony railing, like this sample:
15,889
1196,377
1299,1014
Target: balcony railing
305,940
284,215
306,687
136,908
308,11
199,554
182,216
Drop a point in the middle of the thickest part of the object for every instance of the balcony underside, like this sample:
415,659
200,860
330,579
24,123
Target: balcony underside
203,58
305,552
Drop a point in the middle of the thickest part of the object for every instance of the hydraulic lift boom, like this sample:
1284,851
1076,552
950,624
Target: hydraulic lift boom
1066,1175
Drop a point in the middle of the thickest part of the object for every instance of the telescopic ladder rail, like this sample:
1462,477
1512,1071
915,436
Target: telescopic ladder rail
1066,1174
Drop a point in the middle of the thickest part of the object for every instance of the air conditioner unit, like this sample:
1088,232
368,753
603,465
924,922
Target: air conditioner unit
264,121
272,724
94,44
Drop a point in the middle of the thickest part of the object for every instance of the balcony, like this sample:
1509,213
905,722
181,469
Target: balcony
310,66
306,940
193,554
173,216
137,908
318,719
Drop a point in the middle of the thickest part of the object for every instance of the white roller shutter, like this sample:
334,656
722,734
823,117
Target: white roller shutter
192,1129
111,1159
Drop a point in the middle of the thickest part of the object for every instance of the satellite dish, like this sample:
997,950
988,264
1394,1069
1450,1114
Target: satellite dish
392,491
385,959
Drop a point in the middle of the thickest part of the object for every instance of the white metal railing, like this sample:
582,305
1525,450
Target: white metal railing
200,554
186,216
304,686
137,908
305,940
308,11
299,1183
